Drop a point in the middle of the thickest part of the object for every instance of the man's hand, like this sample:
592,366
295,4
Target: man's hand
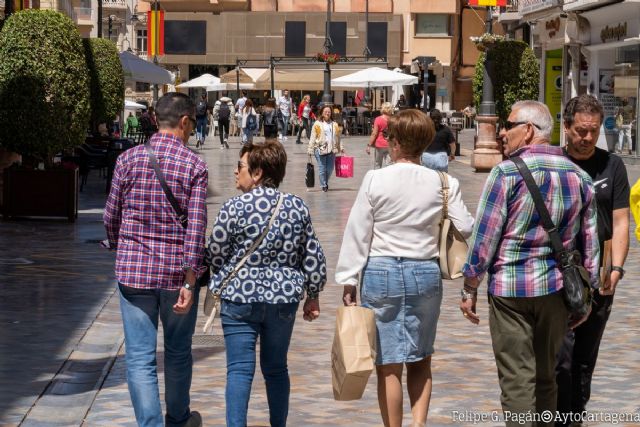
609,285
468,308
311,309
349,295
185,300
368,149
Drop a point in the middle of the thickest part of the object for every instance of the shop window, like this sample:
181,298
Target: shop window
295,38
433,25
377,38
623,114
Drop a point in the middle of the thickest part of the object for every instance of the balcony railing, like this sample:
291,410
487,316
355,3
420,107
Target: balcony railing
114,4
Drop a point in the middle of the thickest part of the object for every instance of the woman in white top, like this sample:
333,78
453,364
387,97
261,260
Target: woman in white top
325,144
249,124
391,241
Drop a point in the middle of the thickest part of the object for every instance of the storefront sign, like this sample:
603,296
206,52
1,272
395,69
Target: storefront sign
529,6
608,100
553,90
614,32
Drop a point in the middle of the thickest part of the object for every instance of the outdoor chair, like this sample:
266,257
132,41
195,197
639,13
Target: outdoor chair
90,158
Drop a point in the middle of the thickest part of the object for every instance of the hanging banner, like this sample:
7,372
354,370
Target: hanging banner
155,33
553,90
487,2
606,92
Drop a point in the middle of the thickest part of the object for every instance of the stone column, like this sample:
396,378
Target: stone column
487,153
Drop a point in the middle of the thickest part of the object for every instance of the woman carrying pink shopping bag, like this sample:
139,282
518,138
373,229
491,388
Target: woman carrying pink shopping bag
324,145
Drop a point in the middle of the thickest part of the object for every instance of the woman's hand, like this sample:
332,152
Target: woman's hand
311,309
350,295
368,149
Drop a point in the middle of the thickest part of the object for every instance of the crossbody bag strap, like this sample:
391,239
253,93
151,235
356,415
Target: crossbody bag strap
184,221
534,190
254,246
445,194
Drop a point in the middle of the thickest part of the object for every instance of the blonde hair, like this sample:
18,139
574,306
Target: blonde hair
386,108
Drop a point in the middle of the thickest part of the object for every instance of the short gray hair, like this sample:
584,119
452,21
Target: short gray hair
536,113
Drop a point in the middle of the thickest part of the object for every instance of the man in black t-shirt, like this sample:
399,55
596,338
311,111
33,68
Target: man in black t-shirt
577,358
443,147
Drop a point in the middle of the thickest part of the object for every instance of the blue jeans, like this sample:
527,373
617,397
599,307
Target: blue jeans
242,324
326,163
140,310
201,128
436,161
285,125
247,136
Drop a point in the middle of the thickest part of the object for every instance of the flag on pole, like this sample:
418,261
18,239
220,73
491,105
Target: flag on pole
487,2
20,5
155,32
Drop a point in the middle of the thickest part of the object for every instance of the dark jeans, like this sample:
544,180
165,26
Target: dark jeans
223,129
577,357
306,127
201,128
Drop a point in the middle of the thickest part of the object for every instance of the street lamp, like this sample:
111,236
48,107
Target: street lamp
486,154
156,36
99,19
327,99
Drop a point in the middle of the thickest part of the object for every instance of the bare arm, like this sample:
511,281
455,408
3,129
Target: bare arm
619,248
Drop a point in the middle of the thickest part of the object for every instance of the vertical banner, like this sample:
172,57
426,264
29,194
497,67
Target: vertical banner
487,2
553,90
608,100
155,32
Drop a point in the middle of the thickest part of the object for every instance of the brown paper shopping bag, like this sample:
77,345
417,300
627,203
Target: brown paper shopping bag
353,352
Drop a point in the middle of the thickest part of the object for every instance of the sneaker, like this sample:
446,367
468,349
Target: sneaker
197,143
298,141
195,420
279,137
325,189
222,146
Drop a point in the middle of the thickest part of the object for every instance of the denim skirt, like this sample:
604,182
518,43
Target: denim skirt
436,161
405,295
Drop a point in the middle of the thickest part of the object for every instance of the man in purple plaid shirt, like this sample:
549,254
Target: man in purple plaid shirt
527,314
158,261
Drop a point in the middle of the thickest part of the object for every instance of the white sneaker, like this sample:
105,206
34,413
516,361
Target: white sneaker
279,137
284,138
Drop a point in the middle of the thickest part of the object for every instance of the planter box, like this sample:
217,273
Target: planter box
51,193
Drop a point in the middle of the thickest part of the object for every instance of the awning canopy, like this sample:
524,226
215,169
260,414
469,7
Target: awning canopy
374,77
203,81
133,105
140,70
247,75
303,78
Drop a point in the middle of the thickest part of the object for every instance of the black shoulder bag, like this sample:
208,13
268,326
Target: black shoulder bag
204,278
577,290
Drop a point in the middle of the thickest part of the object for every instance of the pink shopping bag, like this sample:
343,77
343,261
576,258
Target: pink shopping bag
344,167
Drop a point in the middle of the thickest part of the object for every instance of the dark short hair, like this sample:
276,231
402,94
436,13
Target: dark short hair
271,103
412,130
244,92
582,104
271,158
436,116
172,107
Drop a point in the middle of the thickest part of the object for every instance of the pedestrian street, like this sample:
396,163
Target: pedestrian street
67,290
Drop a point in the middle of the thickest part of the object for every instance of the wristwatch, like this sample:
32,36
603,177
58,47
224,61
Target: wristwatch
465,294
188,286
619,270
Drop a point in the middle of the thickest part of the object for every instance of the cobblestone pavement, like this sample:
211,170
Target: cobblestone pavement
53,311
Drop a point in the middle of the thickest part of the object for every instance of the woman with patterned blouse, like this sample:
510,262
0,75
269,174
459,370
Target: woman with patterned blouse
262,297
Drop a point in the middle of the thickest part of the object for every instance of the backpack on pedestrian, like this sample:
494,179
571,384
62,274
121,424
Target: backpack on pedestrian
252,123
224,111
201,108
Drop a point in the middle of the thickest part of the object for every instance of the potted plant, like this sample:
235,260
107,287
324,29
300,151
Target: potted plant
329,58
44,110
517,75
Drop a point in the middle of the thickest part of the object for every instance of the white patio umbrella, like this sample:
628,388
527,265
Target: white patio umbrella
374,77
143,71
133,105
203,81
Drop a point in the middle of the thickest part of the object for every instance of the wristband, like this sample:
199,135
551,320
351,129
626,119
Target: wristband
619,270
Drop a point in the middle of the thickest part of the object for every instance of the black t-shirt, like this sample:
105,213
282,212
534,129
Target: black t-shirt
610,181
441,141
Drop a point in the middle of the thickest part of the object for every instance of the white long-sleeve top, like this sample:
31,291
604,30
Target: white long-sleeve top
397,213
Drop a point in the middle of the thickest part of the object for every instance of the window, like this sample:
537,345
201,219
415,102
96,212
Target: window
377,38
295,38
338,33
143,87
432,25
185,37
141,41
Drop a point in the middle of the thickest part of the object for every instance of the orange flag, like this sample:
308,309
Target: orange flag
155,32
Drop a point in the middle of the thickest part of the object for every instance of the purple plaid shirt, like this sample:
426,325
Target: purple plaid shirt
153,247
508,240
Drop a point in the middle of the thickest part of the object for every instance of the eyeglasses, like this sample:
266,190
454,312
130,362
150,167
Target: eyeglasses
510,125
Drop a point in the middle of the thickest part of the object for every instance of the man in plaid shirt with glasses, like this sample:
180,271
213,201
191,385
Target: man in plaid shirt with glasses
158,261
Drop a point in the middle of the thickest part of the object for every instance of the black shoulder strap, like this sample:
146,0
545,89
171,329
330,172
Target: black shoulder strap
167,191
547,223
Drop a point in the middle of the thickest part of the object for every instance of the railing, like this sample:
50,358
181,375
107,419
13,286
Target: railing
114,4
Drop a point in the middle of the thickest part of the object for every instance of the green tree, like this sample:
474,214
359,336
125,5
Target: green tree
516,76
106,80
44,85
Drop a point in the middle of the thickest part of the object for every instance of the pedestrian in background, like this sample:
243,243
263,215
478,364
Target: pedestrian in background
285,104
378,141
270,119
158,261
304,113
260,299
201,120
577,358
223,112
443,147
239,108
324,145
249,122
527,314
391,242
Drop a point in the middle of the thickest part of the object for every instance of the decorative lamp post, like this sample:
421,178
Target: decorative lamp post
367,52
487,154
156,41
99,19
327,99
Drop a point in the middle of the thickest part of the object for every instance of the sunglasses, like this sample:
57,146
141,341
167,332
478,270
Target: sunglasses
510,125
